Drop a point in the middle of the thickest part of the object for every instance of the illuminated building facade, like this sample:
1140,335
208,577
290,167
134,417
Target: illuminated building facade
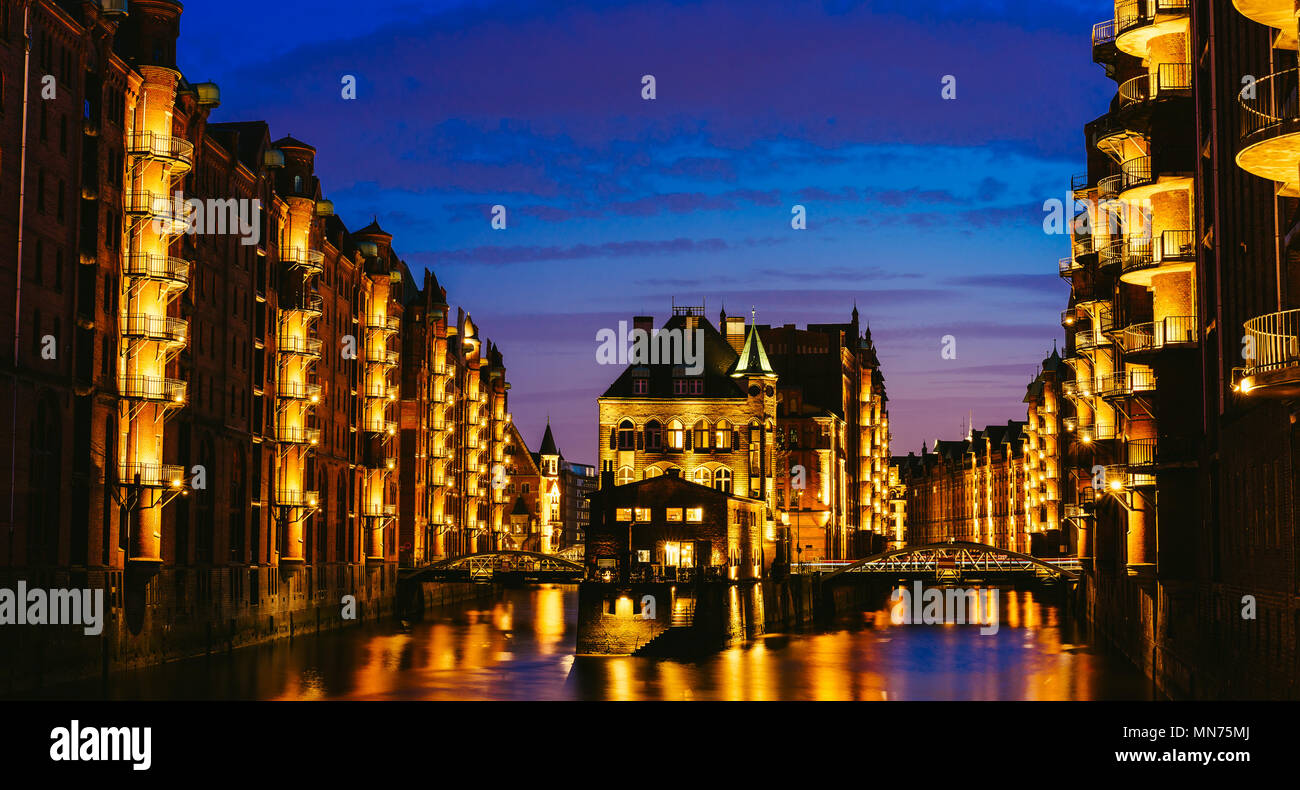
1182,477
717,427
833,423
1048,535
213,379
969,490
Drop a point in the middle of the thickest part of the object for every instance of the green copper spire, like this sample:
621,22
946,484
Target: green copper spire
753,357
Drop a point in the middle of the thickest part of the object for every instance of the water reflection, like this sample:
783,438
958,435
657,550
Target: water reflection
521,648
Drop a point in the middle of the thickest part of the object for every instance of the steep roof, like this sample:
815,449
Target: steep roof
719,359
548,442
753,357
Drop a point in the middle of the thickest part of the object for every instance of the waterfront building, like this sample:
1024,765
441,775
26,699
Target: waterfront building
668,527
578,480
230,409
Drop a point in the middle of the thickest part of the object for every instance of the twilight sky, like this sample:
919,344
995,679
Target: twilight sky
928,212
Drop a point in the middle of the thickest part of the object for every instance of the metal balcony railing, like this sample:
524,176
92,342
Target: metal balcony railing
1275,338
1271,106
1125,382
1067,266
1171,331
1141,453
1133,14
298,390
1088,339
1080,241
383,323
164,147
388,427
1095,433
1136,172
290,434
381,356
1070,317
167,215
158,328
288,497
1103,33
1108,187
1111,254
300,346
1170,79
157,267
308,303
151,475
153,388
303,258
371,510
385,391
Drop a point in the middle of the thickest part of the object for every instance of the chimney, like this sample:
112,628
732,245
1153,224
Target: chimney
645,323
606,480
673,472
735,332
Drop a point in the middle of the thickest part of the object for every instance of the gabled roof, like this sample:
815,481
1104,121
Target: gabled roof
719,359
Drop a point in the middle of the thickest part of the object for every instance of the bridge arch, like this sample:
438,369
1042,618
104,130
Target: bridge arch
544,561
959,555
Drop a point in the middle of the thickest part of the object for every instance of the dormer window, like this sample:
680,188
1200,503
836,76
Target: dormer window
696,386
680,385
640,385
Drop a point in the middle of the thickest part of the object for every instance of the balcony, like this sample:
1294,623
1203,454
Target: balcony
383,391
1070,317
292,434
1067,267
1111,255
293,498
1141,454
1278,14
1171,80
372,510
1270,129
1084,388
381,356
173,271
1136,173
383,323
1175,331
1103,42
1174,251
312,261
153,389
388,427
308,304
1139,21
151,475
1108,187
166,214
1080,240
1089,339
156,328
298,391
301,346
175,151
1088,434
1125,383
1275,370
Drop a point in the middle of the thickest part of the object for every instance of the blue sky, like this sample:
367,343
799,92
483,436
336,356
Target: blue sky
926,212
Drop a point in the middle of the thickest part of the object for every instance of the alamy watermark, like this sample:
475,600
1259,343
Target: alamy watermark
53,607
944,606
213,217
677,346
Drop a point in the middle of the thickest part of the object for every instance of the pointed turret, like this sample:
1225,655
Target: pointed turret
753,357
548,442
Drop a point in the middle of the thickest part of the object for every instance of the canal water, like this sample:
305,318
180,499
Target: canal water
522,648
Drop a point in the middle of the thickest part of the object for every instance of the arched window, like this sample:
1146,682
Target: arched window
625,475
654,436
701,436
626,435
722,479
722,435
652,471
676,435
703,476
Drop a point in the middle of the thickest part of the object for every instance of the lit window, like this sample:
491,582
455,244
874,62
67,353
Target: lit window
722,480
676,435
624,475
643,514
695,514
643,555
703,477
701,435
624,514
722,436
653,471
673,514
